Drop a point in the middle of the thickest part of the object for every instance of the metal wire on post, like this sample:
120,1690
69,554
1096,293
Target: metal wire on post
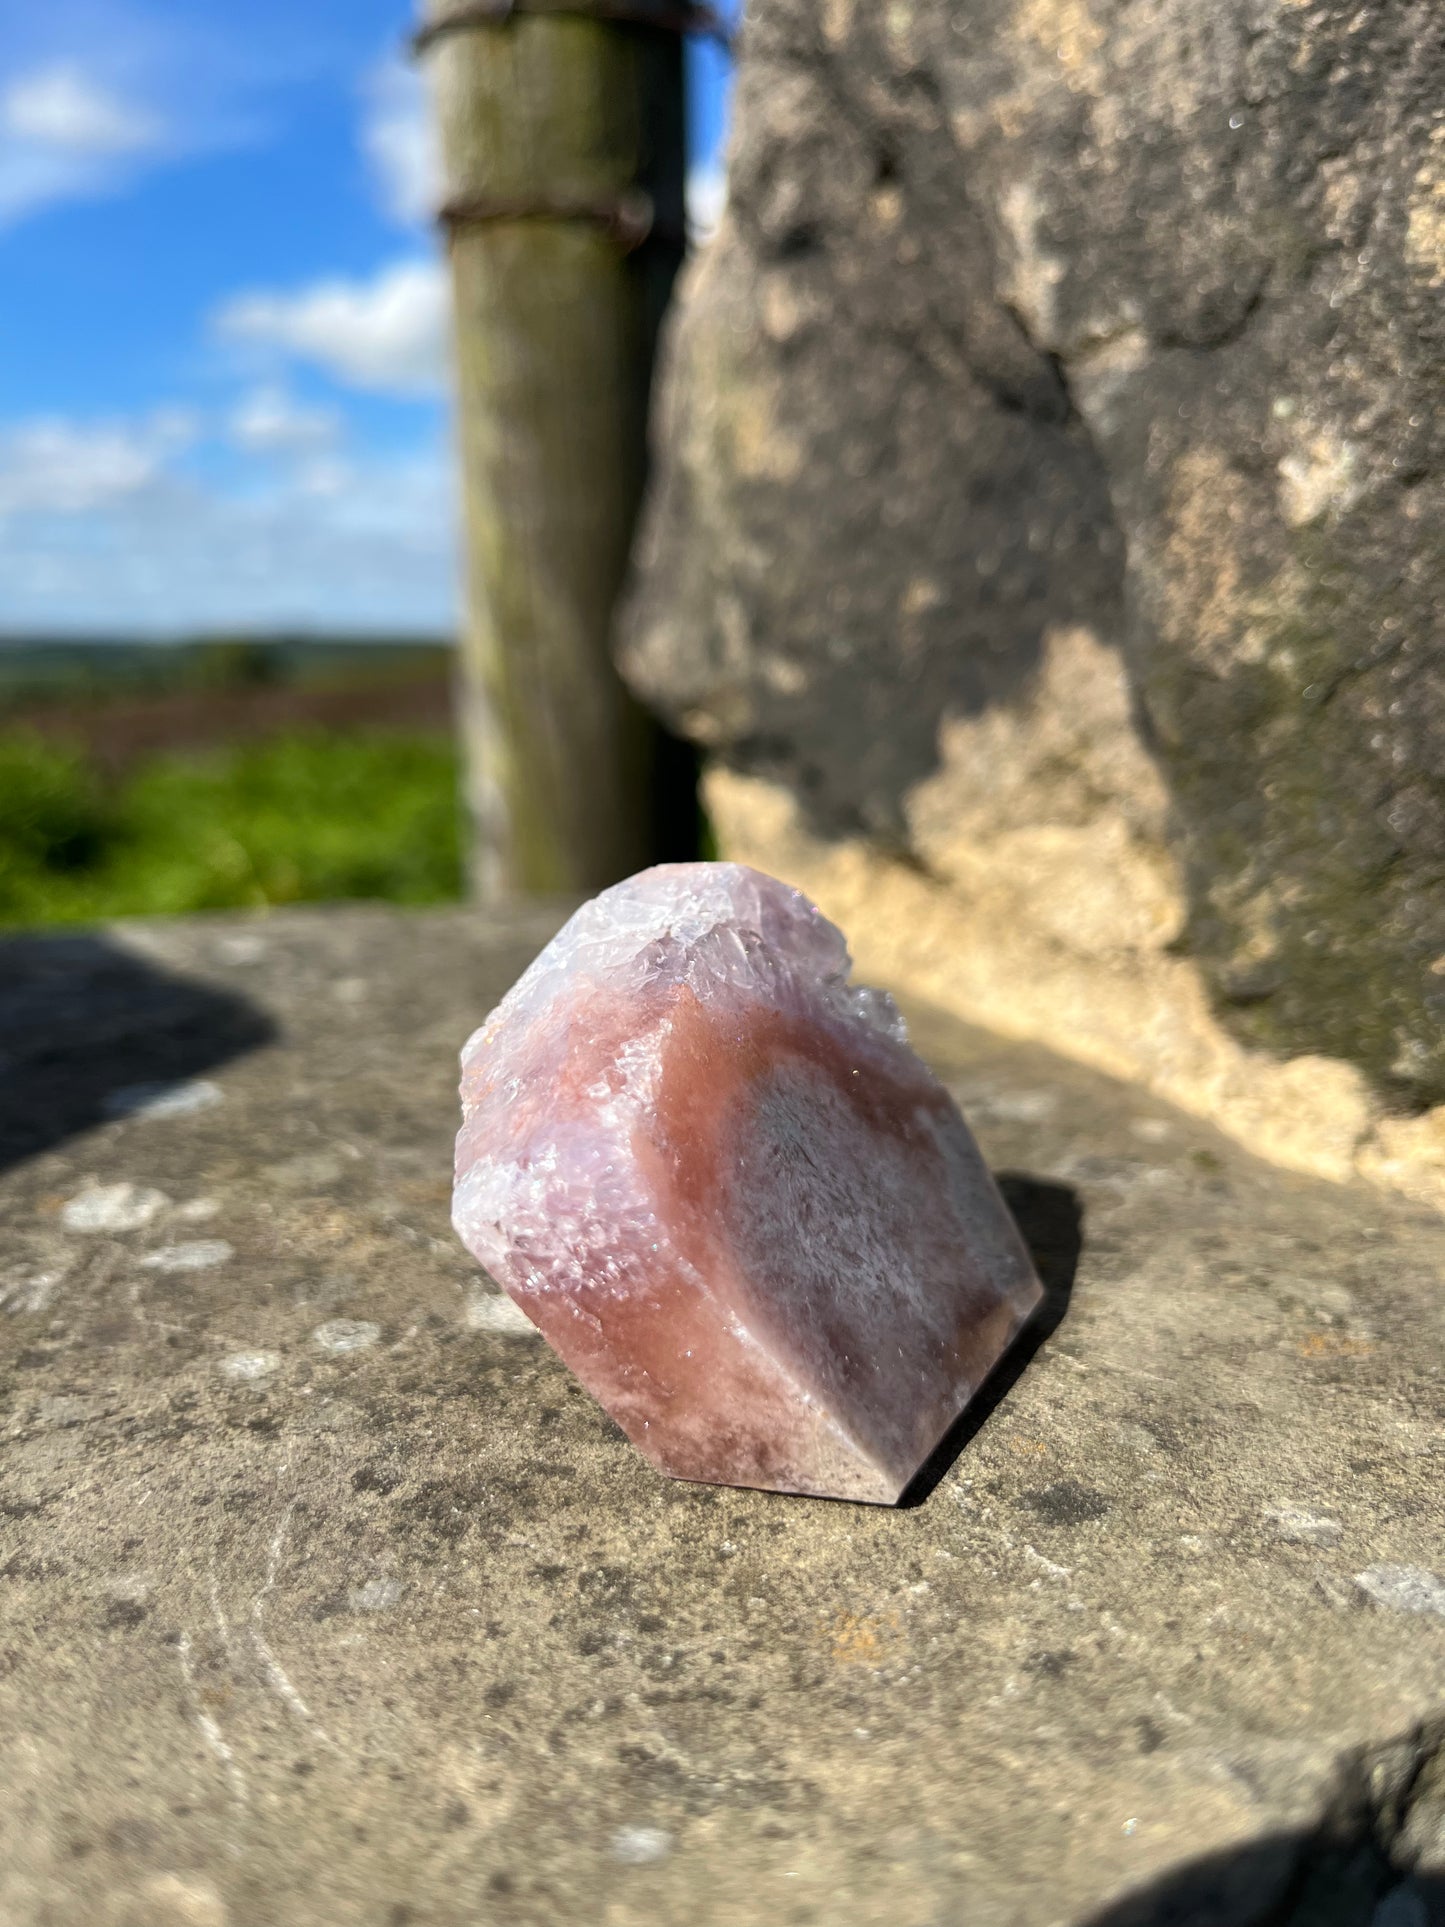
665,15
629,219
562,138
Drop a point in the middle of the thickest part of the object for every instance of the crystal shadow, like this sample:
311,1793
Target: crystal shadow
1051,1218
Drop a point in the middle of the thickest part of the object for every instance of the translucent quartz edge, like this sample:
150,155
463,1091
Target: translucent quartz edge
731,924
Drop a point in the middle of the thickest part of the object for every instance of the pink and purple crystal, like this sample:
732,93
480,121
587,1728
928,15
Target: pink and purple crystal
715,1176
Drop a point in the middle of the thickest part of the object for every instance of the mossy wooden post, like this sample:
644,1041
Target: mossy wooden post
562,139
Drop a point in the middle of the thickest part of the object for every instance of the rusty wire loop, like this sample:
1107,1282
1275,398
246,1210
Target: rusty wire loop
630,219
667,16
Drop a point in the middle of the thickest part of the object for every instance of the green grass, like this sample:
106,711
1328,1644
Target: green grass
305,817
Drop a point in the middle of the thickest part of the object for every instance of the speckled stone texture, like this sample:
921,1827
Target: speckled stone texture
327,1598
716,1178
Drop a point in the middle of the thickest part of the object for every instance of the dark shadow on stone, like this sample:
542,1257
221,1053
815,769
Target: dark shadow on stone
82,1019
1284,1881
1358,1868
1051,1218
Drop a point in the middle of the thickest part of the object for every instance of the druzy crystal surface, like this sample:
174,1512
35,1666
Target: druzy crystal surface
715,1176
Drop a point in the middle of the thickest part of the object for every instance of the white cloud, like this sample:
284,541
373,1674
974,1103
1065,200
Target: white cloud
269,421
62,467
387,334
63,107
65,135
103,526
399,139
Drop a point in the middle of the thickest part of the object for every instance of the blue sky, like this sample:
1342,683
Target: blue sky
223,319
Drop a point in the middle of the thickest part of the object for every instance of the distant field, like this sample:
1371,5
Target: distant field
138,781
58,667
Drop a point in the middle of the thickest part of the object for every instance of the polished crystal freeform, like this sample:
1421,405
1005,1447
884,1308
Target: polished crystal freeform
731,1197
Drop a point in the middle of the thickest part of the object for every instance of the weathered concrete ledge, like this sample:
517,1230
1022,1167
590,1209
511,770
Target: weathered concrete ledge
325,1598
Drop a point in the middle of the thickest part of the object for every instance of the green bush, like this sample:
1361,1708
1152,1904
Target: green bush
305,817
54,824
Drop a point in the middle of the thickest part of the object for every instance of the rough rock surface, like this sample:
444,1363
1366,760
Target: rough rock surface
1024,941
1011,290
749,1218
326,1598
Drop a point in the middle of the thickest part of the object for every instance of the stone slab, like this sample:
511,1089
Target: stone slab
326,1598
